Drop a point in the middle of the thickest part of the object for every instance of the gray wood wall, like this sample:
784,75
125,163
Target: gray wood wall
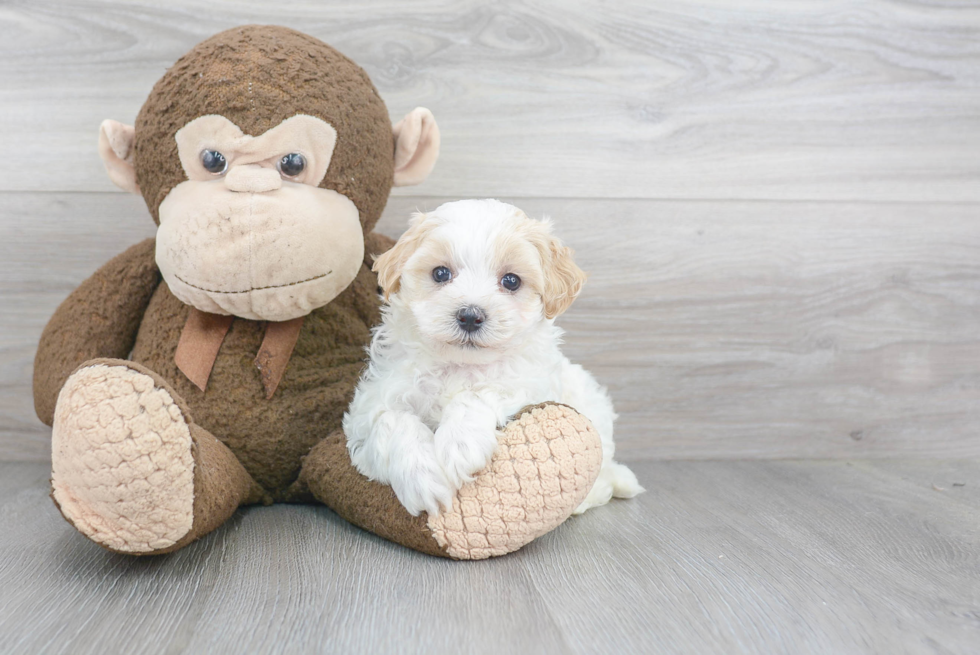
777,201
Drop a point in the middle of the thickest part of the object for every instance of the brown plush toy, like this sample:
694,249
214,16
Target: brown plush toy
210,367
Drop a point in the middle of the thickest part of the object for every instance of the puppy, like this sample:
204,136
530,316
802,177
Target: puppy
468,339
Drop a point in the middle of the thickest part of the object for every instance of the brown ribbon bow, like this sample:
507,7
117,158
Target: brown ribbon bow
203,334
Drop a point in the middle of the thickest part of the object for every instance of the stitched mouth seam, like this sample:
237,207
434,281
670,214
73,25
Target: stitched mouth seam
274,286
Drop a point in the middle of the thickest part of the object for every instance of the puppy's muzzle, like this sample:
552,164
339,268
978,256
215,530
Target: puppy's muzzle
470,319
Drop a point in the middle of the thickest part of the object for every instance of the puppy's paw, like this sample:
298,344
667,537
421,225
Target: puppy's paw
463,450
424,487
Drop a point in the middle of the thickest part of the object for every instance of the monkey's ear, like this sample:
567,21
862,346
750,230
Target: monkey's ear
416,146
116,150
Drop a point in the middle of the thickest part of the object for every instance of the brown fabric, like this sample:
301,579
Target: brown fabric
257,76
199,343
333,480
98,319
376,244
269,436
275,351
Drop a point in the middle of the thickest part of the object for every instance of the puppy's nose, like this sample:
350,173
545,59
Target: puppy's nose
470,319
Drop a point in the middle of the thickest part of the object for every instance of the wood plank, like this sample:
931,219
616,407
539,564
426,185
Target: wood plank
844,100
777,557
717,557
286,579
749,329
954,479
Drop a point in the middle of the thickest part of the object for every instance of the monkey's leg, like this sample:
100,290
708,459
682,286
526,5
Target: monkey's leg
130,469
546,462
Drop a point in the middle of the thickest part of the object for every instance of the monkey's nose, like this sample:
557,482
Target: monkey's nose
470,319
250,178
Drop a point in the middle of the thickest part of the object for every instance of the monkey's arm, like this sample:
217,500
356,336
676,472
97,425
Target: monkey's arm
99,319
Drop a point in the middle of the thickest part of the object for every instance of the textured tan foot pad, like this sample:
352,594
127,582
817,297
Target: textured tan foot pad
546,463
122,466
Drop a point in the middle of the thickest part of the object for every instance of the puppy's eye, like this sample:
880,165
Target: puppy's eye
214,162
292,164
510,282
441,274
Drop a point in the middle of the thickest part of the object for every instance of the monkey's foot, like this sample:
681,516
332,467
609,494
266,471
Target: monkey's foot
122,460
546,462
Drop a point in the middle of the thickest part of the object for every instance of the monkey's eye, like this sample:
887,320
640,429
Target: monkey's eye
441,274
292,164
213,161
510,282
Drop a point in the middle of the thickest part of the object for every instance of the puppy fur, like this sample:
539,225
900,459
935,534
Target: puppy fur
425,414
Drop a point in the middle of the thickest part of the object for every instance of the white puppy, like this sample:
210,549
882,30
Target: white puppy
467,340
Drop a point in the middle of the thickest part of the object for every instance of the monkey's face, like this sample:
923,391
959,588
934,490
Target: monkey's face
250,232
265,156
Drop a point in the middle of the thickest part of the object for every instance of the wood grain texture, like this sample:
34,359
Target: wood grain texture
778,557
717,557
723,329
841,100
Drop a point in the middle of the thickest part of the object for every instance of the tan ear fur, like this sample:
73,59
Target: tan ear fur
416,146
116,149
563,279
389,266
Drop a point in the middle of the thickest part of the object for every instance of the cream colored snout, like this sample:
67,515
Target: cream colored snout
247,244
269,256
252,178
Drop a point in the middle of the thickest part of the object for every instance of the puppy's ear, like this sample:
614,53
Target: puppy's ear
563,279
390,265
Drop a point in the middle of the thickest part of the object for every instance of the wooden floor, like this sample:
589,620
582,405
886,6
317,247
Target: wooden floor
718,557
778,204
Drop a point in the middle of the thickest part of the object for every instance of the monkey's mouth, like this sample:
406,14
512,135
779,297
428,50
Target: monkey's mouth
271,286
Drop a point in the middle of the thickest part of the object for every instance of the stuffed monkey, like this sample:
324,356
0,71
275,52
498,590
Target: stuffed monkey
210,367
